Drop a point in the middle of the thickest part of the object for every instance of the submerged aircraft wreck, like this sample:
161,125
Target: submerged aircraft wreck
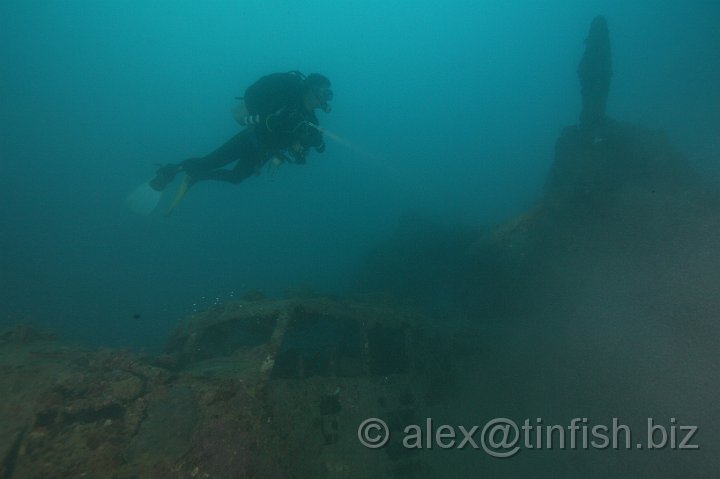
247,389
277,388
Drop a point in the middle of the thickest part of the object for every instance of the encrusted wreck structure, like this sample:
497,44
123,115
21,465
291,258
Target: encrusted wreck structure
247,389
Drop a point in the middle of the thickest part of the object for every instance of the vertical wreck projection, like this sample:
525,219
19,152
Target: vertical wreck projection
595,72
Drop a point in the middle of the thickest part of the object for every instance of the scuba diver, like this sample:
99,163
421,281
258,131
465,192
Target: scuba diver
278,113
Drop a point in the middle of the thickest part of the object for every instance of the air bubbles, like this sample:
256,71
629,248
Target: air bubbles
210,301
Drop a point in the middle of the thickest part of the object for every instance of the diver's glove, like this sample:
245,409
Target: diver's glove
298,153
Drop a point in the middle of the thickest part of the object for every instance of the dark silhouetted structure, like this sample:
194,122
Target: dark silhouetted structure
595,70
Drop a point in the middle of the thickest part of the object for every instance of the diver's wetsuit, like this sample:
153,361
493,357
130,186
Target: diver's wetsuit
253,147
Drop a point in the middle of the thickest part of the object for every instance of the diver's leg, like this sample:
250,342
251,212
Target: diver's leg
243,148
224,155
245,167
200,168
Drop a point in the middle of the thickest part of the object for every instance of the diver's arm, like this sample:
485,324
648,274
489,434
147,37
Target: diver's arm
314,137
311,137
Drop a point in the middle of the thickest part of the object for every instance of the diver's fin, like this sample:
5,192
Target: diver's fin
182,191
143,199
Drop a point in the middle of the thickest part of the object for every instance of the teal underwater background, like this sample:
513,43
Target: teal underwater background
445,110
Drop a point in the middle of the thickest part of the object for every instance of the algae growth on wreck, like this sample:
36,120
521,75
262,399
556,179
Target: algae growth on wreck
510,242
